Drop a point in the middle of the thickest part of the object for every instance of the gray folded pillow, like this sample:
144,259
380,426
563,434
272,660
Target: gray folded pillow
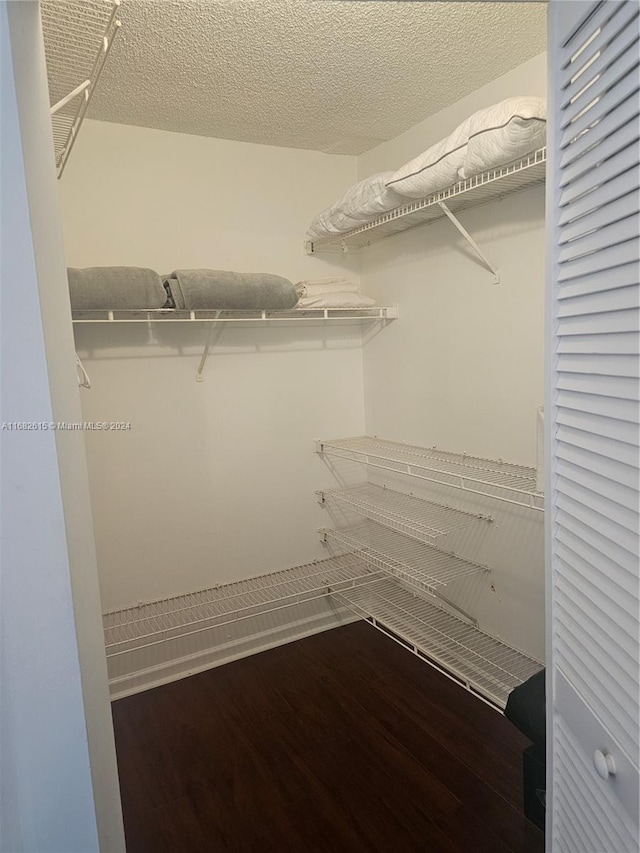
203,289
115,288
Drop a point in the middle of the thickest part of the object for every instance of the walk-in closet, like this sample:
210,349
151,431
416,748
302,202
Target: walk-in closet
306,253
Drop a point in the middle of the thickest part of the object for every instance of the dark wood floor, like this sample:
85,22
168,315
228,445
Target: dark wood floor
339,742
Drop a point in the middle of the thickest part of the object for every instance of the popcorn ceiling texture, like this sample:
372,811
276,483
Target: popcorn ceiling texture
338,77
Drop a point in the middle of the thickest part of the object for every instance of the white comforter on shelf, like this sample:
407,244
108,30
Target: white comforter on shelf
362,203
436,168
505,132
491,137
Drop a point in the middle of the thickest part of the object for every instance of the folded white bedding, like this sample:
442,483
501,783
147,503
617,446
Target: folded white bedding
491,137
361,203
327,280
312,289
336,300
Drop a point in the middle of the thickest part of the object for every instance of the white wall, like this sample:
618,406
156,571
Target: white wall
58,780
214,481
463,367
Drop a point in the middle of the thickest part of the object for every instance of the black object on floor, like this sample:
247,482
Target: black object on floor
534,784
526,708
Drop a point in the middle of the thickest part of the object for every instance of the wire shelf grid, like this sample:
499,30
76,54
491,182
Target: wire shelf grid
147,624
296,315
493,478
418,563
483,663
421,519
78,36
472,192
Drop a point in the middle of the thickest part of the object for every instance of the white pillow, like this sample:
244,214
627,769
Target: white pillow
490,137
360,204
505,132
370,197
435,169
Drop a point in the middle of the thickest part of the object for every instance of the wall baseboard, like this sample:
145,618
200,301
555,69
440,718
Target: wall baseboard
229,643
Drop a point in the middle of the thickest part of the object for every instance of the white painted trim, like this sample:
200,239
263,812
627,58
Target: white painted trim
47,390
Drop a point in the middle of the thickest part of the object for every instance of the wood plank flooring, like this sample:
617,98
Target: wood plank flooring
339,742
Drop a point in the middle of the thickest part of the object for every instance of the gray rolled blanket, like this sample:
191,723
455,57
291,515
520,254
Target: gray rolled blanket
231,291
115,288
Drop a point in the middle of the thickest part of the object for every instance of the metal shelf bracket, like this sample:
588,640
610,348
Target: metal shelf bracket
64,101
496,275
214,333
83,376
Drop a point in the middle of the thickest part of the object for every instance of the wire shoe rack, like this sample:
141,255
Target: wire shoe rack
489,477
416,562
483,664
148,624
385,568
424,520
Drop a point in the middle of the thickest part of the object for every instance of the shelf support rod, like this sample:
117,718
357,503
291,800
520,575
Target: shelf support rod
64,101
470,241
214,333
83,376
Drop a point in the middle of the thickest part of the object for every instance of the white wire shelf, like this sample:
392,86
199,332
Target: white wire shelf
494,478
297,315
421,519
148,624
481,189
482,663
417,563
78,36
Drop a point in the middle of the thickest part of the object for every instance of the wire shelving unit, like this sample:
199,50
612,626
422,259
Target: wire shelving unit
294,315
494,478
383,596
421,519
422,565
472,192
216,319
78,36
483,664
137,627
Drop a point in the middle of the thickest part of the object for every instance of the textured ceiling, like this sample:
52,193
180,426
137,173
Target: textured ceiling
333,76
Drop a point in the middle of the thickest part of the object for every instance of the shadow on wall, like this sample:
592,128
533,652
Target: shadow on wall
505,219
98,341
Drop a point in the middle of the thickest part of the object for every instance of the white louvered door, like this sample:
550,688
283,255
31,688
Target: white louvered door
592,486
